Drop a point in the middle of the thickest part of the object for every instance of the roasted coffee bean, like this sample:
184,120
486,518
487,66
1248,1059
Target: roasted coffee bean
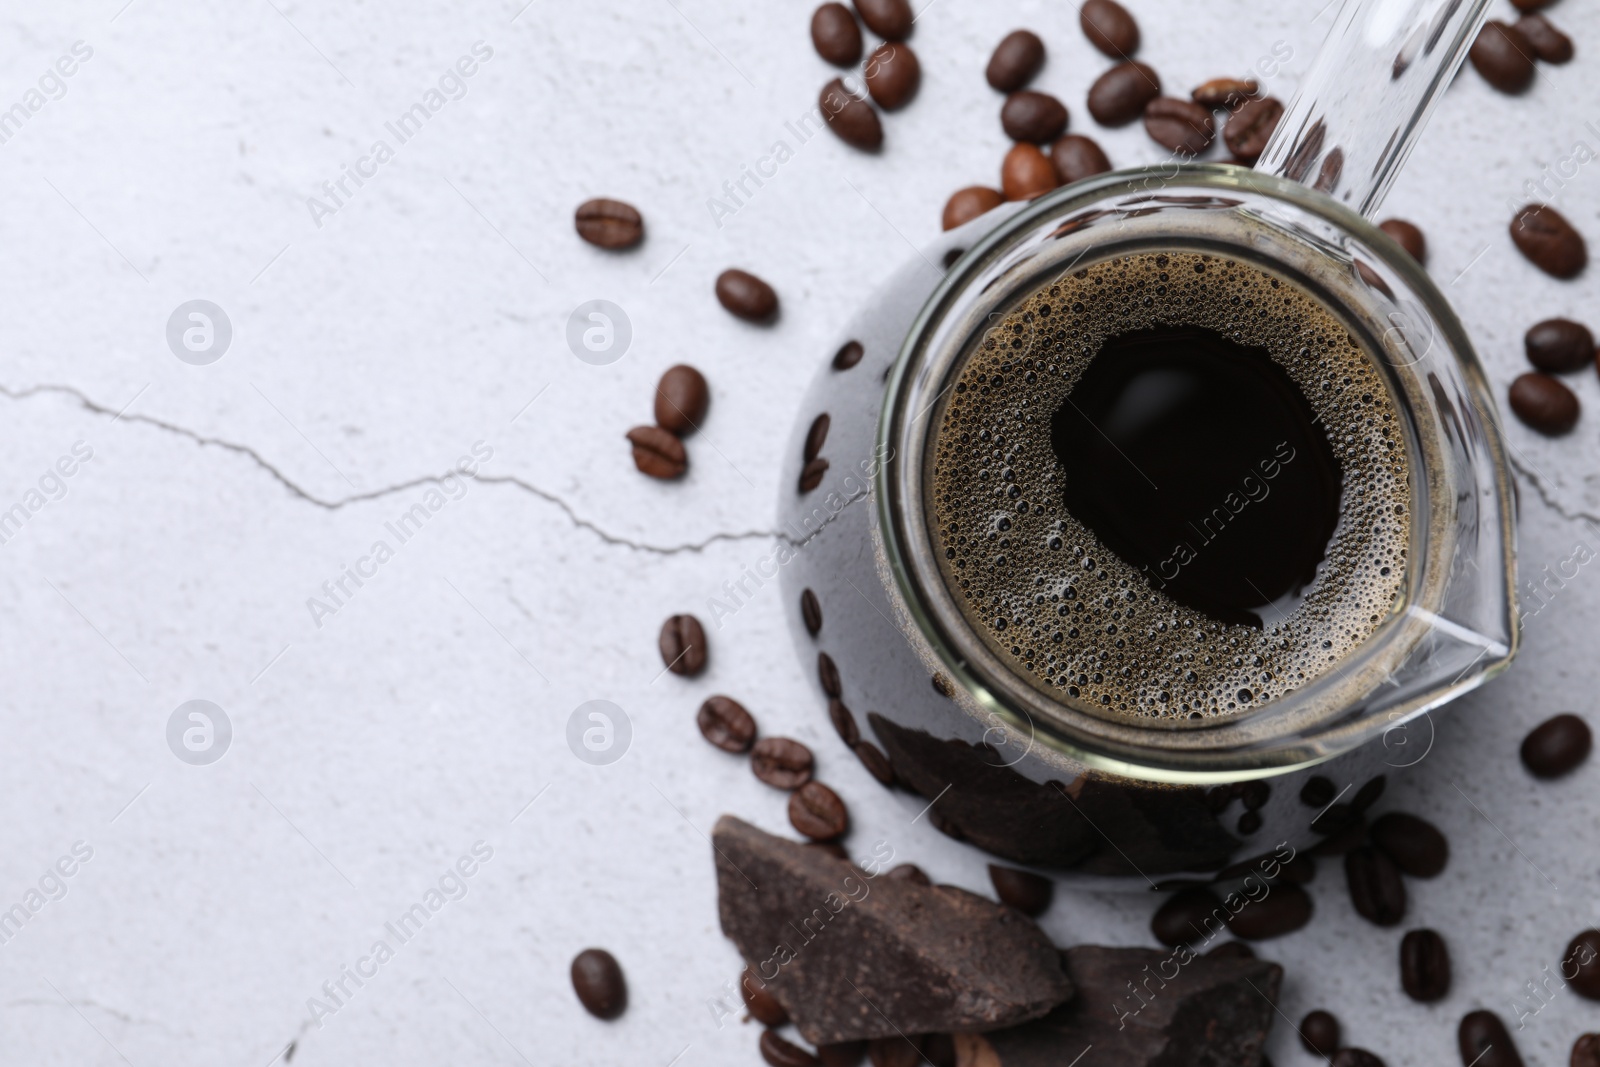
1076,157
746,296
1318,792
1300,870
1415,845
683,645
892,75
1356,1057
893,1052
1109,28
1408,237
1181,126
725,723
759,1001
1233,950
1249,822
1227,93
817,436
1029,893
658,453
1376,890
910,872
836,35
1119,95
1585,1051
598,981
1556,746
810,612
939,1050
1187,916
1543,234
1549,43
848,356
851,118
1368,794
782,762
1530,5
1026,173
1484,1041
816,811
889,19
842,1054
1424,966
783,1053
1255,794
876,763
1037,118
1503,56
1559,346
1341,841
681,399
1544,404
967,204
952,256
1583,956
828,675
1286,909
1250,128
844,721
1334,818
1017,58
811,474
1319,1033
609,223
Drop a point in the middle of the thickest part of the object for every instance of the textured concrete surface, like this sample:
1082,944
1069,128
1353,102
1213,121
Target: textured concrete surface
426,314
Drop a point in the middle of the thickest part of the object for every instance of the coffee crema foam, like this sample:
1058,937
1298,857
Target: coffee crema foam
1059,607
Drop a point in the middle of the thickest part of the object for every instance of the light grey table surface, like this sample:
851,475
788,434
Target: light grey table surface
375,345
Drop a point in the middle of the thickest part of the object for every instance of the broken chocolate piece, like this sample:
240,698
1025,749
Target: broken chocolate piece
846,953
1151,1007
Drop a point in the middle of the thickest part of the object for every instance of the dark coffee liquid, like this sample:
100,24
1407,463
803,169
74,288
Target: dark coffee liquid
1199,460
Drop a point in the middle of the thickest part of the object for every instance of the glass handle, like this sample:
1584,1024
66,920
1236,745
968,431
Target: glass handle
1370,91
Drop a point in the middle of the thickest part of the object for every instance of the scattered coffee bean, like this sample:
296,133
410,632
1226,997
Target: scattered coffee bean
1335,818
836,35
779,1052
1407,237
939,1050
851,118
910,872
848,356
1549,43
1543,234
683,645
889,19
781,762
1229,93
598,981
1076,157
1029,893
892,75
1503,56
1484,1042
1188,915
1318,792
1017,58
1583,953
725,723
1556,746
658,453
1286,909
967,204
810,612
1109,28
1249,822
1319,1033
1300,870
1255,794
828,675
1026,173
1181,126
817,436
1586,1051
1424,966
1233,950
952,256
1416,845
844,721
1119,95
816,811
1340,842
759,1001
1376,890
681,399
609,223
746,296
1559,346
811,474
1530,5
1250,128
1038,118
1544,404
1368,794
1356,1057
893,1052
876,763
842,1054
